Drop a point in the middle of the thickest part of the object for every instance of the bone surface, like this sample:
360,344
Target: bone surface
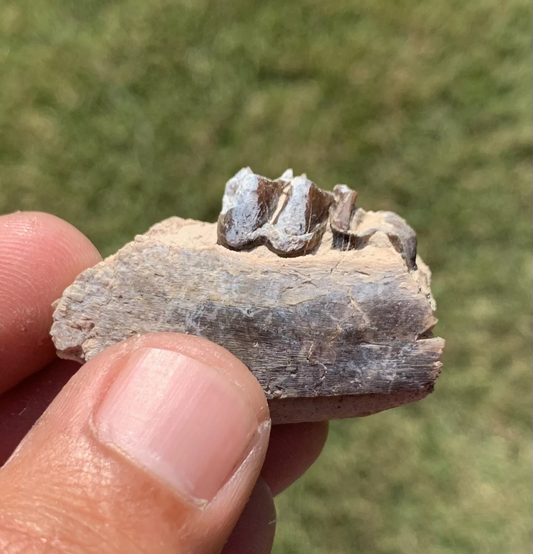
327,304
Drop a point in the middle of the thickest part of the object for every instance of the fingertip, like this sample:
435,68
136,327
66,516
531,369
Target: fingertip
40,255
256,527
40,233
292,450
21,406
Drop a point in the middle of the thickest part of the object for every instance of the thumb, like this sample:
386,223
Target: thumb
154,446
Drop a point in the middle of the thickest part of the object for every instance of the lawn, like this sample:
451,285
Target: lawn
114,115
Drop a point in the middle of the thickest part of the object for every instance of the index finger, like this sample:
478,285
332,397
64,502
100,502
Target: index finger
40,255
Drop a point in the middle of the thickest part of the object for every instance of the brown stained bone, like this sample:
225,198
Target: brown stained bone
337,333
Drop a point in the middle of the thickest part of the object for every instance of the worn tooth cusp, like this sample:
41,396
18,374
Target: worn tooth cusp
249,201
353,227
299,226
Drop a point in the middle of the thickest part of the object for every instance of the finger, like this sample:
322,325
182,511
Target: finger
292,450
23,405
153,446
40,255
254,532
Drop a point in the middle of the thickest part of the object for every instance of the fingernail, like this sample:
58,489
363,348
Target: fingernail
182,420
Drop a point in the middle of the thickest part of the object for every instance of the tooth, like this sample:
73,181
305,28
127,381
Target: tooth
352,227
249,201
402,237
299,226
342,212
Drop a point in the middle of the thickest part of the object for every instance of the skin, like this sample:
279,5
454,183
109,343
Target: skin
63,491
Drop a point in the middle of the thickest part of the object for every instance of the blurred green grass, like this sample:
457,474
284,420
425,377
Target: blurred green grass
114,115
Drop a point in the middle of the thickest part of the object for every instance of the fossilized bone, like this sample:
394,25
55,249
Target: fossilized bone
327,304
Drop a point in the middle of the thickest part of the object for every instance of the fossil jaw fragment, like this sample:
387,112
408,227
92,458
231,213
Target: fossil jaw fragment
326,303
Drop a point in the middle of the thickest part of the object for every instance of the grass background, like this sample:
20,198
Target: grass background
116,114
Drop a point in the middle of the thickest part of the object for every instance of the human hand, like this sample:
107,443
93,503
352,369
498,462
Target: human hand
154,446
